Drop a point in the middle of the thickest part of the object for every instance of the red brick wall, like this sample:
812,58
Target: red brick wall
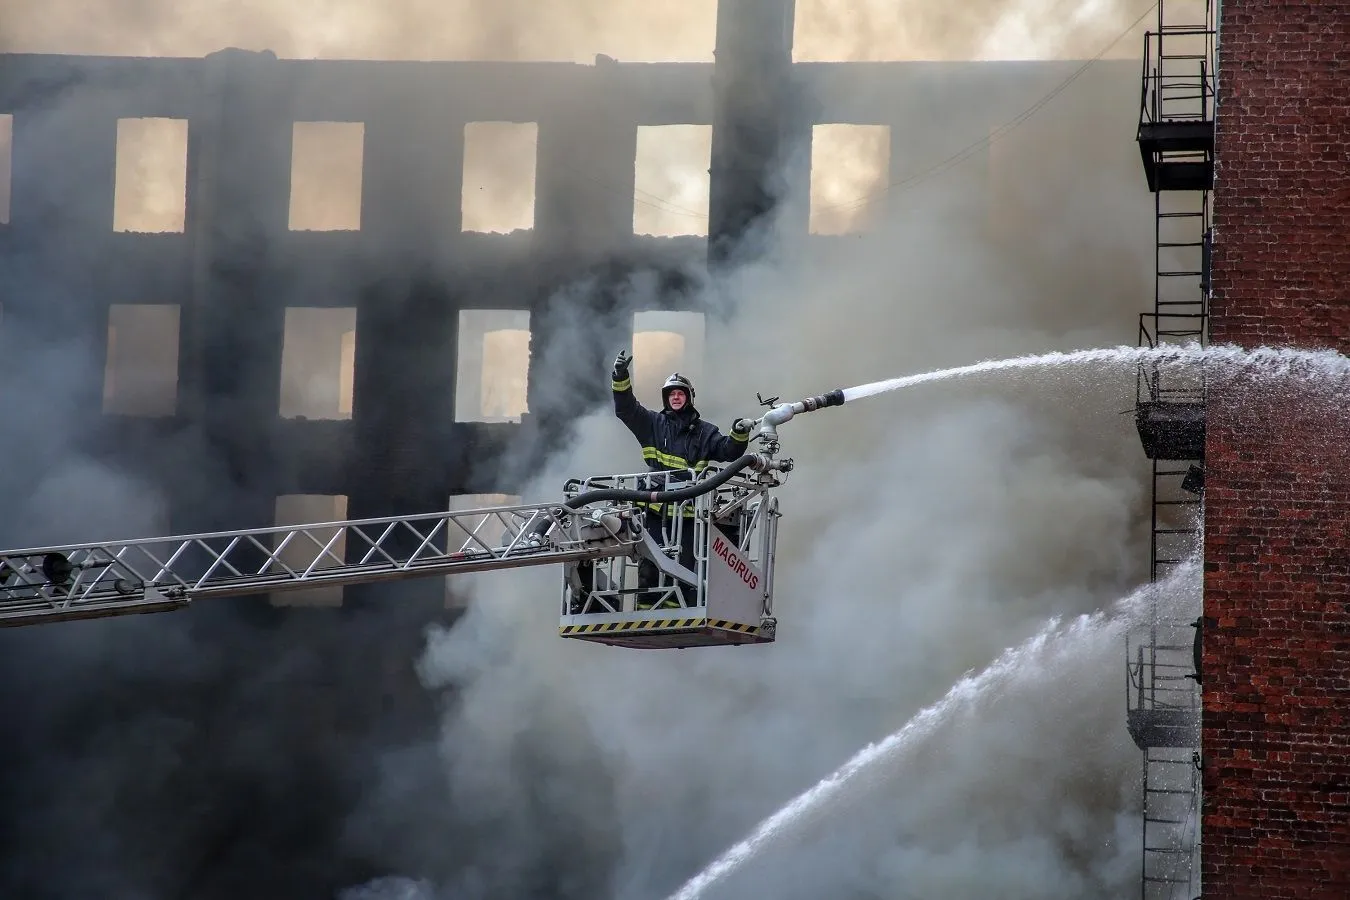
1276,739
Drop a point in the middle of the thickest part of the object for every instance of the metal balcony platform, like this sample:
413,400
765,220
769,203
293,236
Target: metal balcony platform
1164,727
1178,156
1171,430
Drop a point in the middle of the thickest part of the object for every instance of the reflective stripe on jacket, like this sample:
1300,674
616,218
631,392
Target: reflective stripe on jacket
675,440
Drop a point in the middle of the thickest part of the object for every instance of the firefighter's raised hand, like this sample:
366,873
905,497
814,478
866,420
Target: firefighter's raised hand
621,364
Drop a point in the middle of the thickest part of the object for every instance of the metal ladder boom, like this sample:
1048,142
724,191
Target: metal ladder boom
81,581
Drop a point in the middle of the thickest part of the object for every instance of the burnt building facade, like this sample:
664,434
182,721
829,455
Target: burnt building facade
386,293
162,358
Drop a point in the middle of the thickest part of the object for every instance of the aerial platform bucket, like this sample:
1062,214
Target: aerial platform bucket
650,600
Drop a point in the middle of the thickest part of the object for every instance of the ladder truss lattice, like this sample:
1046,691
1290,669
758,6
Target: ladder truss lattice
122,577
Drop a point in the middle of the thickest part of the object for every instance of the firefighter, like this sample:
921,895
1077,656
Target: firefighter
674,440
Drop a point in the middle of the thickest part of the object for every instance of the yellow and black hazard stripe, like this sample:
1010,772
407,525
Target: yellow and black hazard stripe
635,625
732,626
656,625
622,385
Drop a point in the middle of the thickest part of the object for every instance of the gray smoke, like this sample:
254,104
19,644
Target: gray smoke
574,30
924,533
972,715
194,755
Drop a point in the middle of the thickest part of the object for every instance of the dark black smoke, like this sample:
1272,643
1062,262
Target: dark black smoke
200,754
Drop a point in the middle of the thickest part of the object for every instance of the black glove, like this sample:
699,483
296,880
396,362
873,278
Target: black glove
621,364
741,427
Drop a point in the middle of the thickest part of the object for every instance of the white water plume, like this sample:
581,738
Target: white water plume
966,697
1282,363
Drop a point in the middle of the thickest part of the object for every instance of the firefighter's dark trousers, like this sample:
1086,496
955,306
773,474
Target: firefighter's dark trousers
661,527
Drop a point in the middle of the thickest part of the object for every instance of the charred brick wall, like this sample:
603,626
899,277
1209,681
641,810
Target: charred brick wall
1276,730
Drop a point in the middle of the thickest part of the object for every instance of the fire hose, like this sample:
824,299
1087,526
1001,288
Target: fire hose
766,428
757,461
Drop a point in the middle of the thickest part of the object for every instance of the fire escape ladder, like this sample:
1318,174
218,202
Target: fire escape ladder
1176,144
1171,816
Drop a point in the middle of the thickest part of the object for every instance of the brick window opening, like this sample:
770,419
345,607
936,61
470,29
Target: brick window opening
489,530
671,180
492,365
499,176
304,509
318,357
6,164
326,169
665,342
150,184
850,169
140,374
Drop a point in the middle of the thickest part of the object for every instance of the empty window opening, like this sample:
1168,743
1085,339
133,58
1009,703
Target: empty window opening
664,343
301,552
488,528
150,184
326,165
140,376
499,176
850,170
318,356
493,365
6,164
671,180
